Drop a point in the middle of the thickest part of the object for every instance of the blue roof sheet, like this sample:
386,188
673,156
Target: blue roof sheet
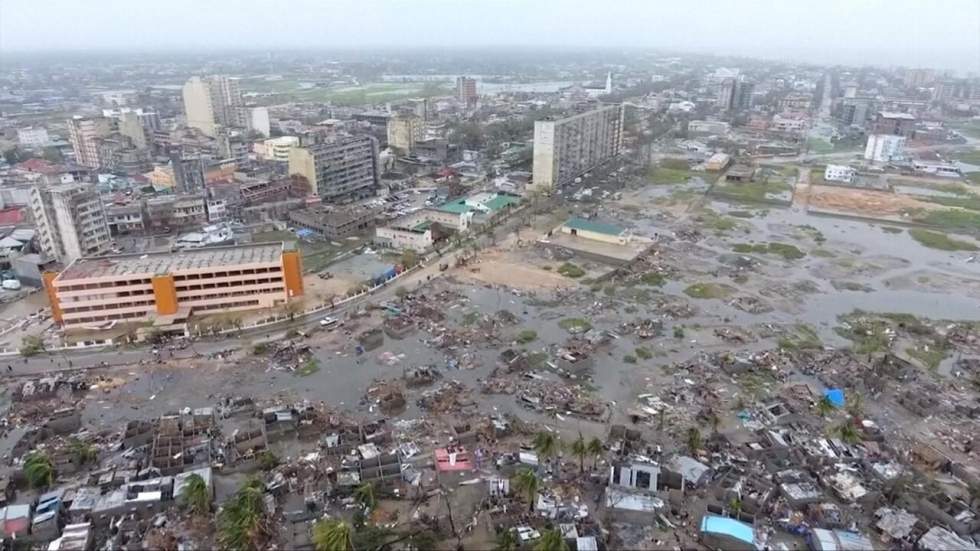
729,527
836,397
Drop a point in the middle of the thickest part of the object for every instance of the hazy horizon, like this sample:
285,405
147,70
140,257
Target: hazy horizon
874,32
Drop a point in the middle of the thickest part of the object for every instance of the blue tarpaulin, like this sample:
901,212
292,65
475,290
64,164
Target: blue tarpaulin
836,397
304,233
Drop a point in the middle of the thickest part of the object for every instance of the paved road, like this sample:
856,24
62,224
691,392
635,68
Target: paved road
131,355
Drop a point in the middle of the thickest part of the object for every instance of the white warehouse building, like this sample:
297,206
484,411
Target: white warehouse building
839,173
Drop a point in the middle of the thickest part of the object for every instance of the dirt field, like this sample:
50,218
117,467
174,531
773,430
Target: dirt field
863,202
505,268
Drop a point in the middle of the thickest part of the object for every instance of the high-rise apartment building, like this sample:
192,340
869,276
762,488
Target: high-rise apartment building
339,171
213,101
403,132
84,134
726,93
466,90
131,126
564,149
893,123
71,220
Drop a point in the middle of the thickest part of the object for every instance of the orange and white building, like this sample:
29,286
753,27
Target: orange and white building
166,288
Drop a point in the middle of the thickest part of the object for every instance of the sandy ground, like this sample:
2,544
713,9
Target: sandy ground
322,289
504,268
865,202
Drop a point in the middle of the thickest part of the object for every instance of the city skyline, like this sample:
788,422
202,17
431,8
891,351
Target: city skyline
906,32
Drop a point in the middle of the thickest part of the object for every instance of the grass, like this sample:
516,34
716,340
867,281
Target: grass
308,368
803,337
643,353
654,279
629,358
710,219
931,355
741,214
941,241
571,270
526,336
788,252
971,157
819,146
753,192
575,325
470,318
891,229
708,291
950,219
666,176
822,253
968,127
968,202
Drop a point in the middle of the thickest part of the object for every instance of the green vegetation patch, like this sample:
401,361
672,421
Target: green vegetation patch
788,252
575,325
629,358
308,368
931,354
654,279
972,157
709,290
754,192
643,353
801,337
941,241
571,270
526,336
950,218
667,176
891,229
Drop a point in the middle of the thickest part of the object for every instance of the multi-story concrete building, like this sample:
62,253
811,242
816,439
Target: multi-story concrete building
839,173
277,149
564,149
466,90
123,219
334,223
403,132
213,101
883,148
338,171
176,211
166,288
131,126
71,220
33,136
895,124
84,134
726,93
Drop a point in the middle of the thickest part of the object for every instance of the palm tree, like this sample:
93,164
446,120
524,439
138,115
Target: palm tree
595,450
195,495
332,535
580,449
825,406
507,541
545,444
365,495
551,540
240,523
526,481
848,433
693,440
39,470
82,452
855,406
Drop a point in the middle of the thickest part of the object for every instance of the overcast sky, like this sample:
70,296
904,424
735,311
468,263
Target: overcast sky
935,33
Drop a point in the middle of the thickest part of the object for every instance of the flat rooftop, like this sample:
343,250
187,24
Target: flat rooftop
168,262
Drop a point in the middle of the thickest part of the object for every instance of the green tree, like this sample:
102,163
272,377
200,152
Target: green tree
735,505
825,407
38,470
52,155
580,450
855,404
693,440
267,460
365,495
507,541
195,496
82,452
332,535
551,540
595,450
526,482
847,432
546,444
31,345
240,523
409,258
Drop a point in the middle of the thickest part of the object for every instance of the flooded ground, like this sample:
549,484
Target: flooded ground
841,266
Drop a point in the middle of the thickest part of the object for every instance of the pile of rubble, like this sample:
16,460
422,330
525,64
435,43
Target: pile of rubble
449,397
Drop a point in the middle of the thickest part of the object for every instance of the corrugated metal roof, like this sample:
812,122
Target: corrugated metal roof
597,227
729,527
